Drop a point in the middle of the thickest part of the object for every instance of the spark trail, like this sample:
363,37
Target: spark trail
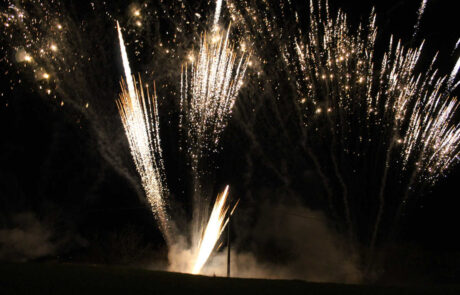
139,114
420,13
124,57
217,14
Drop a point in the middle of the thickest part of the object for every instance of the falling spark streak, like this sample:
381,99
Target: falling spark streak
139,115
216,224
420,13
453,75
457,44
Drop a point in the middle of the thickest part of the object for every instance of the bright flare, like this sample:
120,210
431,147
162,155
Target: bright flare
126,67
216,225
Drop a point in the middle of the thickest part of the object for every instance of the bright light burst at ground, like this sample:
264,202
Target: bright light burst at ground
216,224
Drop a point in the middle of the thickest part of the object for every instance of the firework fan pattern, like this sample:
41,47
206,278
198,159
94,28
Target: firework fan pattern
209,86
139,114
359,111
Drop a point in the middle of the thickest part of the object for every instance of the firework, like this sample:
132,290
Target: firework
361,116
209,87
53,50
210,83
342,75
216,224
139,114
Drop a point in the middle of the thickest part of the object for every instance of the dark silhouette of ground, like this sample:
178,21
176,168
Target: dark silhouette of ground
33,278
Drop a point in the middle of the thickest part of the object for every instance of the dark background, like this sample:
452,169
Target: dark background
51,166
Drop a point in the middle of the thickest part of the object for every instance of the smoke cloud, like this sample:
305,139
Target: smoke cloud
27,239
285,242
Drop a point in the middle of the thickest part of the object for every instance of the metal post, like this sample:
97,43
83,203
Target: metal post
228,247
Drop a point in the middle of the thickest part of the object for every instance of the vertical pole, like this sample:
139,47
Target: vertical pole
228,247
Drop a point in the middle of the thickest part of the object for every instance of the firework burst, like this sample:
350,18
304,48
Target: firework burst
337,74
139,114
52,50
362,115
209,86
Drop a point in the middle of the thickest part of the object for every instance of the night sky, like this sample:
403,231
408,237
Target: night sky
69,187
